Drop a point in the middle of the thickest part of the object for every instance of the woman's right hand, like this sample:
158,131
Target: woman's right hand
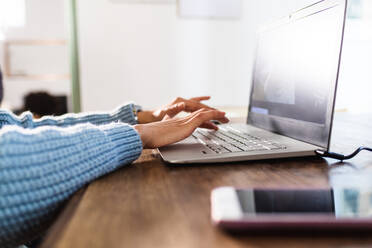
158,134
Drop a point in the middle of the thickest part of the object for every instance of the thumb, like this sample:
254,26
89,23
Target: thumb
174,110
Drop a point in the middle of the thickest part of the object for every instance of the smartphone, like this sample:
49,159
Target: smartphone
255,209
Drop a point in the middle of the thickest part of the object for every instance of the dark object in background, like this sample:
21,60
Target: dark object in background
42,103
61,105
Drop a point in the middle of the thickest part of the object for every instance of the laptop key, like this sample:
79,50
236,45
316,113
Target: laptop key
232,148
217,148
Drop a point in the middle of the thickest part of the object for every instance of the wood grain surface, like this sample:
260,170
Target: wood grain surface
149,204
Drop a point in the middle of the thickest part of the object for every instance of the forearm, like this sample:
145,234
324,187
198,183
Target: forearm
123,114
41,168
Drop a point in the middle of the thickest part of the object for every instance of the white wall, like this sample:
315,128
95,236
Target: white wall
146,53
355,84
44,20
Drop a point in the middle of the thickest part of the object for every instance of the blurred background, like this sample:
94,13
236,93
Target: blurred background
94,55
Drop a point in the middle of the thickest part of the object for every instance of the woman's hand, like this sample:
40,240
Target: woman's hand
171,110
158,134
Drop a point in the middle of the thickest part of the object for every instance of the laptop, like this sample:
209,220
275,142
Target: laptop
292,97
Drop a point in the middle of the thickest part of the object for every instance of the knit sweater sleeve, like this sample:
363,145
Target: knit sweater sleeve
41,167
124,113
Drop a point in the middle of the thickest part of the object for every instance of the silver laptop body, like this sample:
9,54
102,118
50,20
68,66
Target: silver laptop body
292,98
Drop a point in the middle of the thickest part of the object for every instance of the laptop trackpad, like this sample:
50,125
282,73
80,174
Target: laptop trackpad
185,149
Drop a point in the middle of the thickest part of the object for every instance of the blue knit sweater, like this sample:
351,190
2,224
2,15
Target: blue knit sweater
43,162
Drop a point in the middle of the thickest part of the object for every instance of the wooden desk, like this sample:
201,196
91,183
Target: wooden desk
148,204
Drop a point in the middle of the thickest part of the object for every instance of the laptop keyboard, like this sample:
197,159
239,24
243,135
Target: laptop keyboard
228,140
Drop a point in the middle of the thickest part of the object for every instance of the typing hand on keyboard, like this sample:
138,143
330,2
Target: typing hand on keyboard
158,134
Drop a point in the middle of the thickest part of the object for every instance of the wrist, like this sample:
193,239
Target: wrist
140,131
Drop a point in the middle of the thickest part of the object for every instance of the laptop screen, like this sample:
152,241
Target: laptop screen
296,71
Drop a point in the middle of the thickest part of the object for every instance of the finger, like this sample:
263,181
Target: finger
174,110
178,100
204,115
166,117
209,125
200,98
192,106
224,119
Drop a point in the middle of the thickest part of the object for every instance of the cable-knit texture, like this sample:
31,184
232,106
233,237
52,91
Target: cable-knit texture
42,163
124,114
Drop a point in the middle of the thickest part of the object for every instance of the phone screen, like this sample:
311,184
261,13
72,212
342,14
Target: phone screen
337,202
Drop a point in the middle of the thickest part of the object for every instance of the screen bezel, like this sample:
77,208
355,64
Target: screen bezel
312,133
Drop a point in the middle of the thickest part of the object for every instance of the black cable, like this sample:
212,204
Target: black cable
325,154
